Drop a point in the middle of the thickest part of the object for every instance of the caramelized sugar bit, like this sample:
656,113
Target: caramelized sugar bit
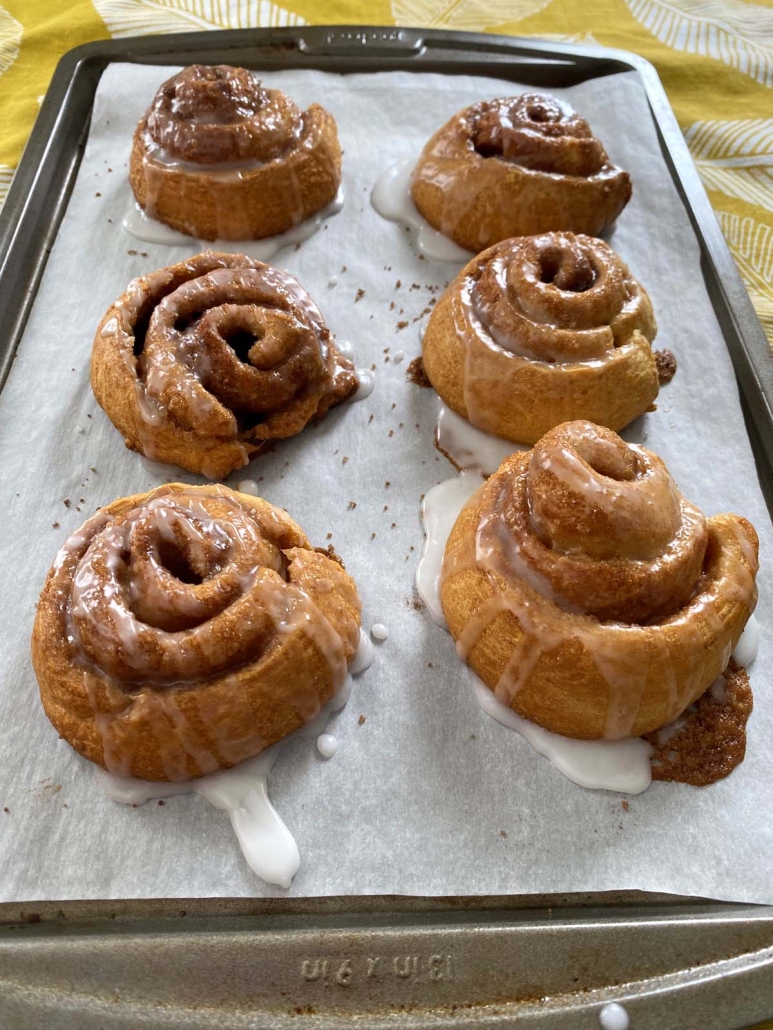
712,740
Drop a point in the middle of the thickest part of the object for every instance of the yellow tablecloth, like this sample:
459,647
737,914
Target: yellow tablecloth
715,58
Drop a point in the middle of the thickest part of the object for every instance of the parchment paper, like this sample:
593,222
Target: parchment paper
428,795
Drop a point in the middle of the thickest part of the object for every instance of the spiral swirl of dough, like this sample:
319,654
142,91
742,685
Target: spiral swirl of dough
183,630
216,115
540,330
538,131
517,166
201,363
588,593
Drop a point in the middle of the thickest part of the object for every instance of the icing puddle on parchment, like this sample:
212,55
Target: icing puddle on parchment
149,230
242,791
715,721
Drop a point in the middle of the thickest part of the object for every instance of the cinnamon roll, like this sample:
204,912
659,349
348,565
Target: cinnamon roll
219,156
184,630
202,363
542,330
588,594
516,166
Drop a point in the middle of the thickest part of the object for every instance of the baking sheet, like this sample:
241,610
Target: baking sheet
428,795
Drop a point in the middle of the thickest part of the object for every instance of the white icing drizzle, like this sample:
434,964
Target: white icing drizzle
379,631
367,381
327,745
468,447
621,765
606,765
142,227
614,1017
748,643
439,511
268,846
398,356
332,282
248,486
391,197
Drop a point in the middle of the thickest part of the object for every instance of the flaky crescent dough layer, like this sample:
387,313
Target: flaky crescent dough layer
184,630
517,166
217,156
588,594
541,330
201,364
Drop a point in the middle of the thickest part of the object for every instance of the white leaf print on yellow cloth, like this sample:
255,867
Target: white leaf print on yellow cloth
463,14
586,38
751,244
10,39
6,174
733,31
735,158
148,17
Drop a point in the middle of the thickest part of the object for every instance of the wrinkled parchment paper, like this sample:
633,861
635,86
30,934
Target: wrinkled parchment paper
428,795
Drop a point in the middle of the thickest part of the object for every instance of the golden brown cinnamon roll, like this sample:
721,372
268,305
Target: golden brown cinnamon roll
542,330
517,166
200,364
588,594
218,156
184,630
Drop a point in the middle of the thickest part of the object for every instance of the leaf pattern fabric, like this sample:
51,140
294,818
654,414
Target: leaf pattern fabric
153,17
715,58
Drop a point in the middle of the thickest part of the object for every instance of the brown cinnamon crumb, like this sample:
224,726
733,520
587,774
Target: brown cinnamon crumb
67,502
387,484
666,365
97,194
393,526
391,433
712,740
361,720
92,468
430,665
360,295
502,833
329,536
402,324
370,419
373,367
352,505
344,459
386,507
415,373
55,525
394,405
625,806
7,809
343,268
398,284
160,801
416,603
331,553
372,536
132,253
415,286
391,305
472,736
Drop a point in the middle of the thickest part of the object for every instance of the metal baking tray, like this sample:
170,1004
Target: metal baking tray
548,961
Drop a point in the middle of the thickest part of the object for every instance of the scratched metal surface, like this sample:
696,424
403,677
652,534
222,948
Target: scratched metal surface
551,961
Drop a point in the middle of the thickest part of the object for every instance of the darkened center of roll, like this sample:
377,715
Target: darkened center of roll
214,115
537,132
